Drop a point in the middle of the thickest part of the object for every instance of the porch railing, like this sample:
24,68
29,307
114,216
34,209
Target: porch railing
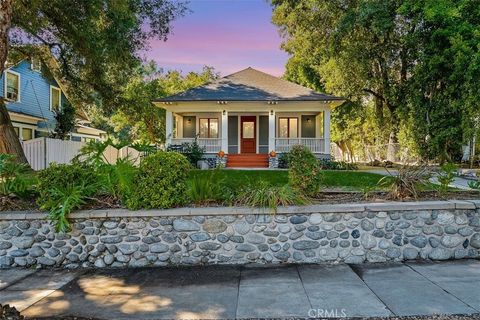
211,145
315,145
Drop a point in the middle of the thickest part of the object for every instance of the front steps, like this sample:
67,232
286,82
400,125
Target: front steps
248,160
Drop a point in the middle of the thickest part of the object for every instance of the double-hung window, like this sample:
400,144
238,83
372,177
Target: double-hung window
12,86
288,127
55,98
208,128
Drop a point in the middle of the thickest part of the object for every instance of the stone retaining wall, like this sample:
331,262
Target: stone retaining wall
352,233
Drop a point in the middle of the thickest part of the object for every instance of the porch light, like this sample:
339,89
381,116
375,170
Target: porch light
271,112
224,112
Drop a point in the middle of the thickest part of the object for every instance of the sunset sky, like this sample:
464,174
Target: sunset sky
228,35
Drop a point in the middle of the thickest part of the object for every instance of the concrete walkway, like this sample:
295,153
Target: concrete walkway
220,292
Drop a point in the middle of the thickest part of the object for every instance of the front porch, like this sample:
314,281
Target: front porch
250,132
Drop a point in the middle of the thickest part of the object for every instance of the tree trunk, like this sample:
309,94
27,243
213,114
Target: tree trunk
9,142
392,148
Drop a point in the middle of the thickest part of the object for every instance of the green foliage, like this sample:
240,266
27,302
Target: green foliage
283,161
326,164
264,195
446,175
192,151
64,187
203,189
15,178
410,69
304,171
64,199
137,118
474,185
117,180
65,121
160,181
97,43
406,182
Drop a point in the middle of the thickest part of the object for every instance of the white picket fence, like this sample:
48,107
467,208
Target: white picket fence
40,152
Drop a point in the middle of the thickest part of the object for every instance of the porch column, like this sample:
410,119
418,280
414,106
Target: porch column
326,130
271,130
168,128
224,137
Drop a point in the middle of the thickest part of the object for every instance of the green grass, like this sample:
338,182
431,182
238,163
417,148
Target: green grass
345,180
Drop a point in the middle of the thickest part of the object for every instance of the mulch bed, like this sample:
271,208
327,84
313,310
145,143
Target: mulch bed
330,196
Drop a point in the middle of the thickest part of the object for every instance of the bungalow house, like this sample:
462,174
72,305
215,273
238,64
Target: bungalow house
32,98
250,117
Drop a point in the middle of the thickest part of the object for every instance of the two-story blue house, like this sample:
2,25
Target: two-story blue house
32,98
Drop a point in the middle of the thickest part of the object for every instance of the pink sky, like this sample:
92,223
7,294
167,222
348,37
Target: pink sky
228,35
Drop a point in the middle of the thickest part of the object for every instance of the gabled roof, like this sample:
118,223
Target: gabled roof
249,85
18,54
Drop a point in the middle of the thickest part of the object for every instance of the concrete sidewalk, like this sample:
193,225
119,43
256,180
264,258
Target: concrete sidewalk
219,292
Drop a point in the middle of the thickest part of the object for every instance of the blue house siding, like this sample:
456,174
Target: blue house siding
34,94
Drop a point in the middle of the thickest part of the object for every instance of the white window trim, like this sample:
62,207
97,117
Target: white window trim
21,126
32,65
5,85
59,97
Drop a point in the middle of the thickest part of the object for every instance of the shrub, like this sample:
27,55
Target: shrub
15,178
160,181
283,161
304,171
117,180
326,164
446,175
266,196
64,187
192,151
406,182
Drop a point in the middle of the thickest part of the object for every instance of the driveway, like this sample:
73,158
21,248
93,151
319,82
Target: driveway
218,292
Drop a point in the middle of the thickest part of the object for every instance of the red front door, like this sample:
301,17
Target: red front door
248,140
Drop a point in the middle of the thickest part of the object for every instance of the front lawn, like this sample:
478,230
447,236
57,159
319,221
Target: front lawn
340,180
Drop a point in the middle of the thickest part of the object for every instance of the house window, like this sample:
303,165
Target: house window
12,86
288,127
55,98
17,131
27,134
36,64
209,128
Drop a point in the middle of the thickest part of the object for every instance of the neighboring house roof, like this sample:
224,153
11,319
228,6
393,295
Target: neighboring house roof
22,53
249,85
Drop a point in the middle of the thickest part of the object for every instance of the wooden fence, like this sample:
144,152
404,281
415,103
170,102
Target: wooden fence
40,152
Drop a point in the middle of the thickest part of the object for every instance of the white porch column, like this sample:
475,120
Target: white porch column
168,128
326,131
271,130
225,131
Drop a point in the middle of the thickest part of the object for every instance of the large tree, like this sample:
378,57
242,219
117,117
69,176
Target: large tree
416,61
137,118
96,45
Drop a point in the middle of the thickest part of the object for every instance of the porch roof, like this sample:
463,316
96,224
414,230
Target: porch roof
250,85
